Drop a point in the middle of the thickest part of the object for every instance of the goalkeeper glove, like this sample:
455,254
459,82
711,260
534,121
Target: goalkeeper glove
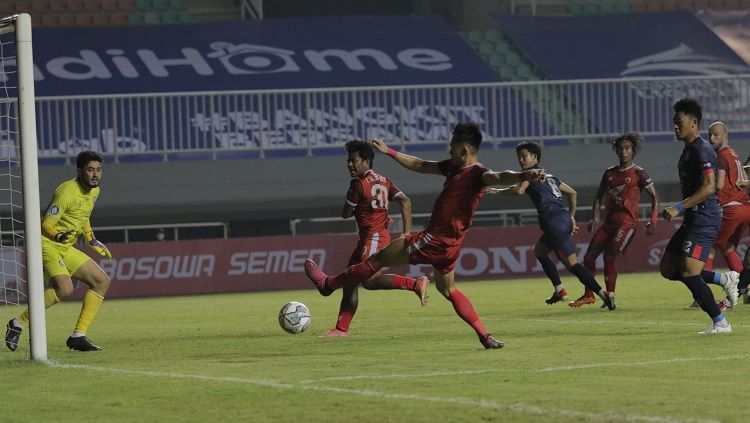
61,237
100,248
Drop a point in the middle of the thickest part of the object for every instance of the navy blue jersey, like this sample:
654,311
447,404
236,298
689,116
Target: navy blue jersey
698,157
547,197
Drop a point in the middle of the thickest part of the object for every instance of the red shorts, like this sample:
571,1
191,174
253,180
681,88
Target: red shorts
734,223
614,238
369,245
441,253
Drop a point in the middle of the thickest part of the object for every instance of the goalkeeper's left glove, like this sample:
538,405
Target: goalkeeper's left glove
100,248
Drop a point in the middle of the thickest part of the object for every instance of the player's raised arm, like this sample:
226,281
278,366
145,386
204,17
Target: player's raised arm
509,177
410,162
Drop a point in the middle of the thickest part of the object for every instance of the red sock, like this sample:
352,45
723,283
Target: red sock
466,311
345,318
590,264
352,275
733,260
610,272
402,282
709,264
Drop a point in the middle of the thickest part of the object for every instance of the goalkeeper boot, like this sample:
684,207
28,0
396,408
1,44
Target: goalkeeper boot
582,301
317,277
12,335
420,288
491,343
81,343
557,297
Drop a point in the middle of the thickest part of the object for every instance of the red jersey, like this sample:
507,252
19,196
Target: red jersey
623,194
370,195
728,161
456,204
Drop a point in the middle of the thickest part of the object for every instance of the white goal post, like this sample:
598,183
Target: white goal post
25,131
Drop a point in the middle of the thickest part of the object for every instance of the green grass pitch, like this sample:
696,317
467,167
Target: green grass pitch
224,358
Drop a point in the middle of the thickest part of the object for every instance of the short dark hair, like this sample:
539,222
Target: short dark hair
689,106
468,133
84,157
633,137
531,147
363,148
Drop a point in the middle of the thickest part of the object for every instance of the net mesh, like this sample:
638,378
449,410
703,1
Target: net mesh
12,263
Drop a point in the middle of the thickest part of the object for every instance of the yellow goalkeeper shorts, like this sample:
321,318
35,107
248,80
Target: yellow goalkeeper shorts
58,259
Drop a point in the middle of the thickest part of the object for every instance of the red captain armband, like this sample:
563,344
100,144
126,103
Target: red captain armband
391,152
654,216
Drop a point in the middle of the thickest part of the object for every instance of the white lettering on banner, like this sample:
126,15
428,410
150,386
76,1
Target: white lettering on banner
232,59
513,260
159,267
277,261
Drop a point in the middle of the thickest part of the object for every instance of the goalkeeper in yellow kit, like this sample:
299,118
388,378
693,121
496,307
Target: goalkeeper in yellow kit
65,220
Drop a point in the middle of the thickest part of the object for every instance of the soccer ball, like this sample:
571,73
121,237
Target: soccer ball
294,317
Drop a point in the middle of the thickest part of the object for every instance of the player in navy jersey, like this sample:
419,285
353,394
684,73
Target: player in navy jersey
688,248
558,224
466,180
620,190
367,201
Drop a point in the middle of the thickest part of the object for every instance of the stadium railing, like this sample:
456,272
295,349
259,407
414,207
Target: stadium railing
308,122
163,231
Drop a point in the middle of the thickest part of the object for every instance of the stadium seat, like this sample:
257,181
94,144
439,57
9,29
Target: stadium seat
109,6
39,6
513,59
622,7
101,19
152,18
732,4
496,61
6,6
669,5
654,6
136,19
22,6
179,5
91,6
493,36
685,4
475,36
170,18
524,73
118,19
186,17
144,5
486,48
575,9
503,48
66,20
609,8
50,21
507,73
162,4
715,4
84,20
126,5
592,9
639,6
75,6
58,7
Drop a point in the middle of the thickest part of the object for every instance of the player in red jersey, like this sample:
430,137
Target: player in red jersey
367,200
441,241
620,188
735,212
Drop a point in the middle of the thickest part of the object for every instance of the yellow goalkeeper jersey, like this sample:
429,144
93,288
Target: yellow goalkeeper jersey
70,208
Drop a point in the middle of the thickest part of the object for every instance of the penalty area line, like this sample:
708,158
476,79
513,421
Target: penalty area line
520,408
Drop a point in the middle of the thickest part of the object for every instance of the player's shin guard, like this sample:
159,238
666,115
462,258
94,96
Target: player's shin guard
550,270
466,311
702,294
610,272
91,303
352,275
50,299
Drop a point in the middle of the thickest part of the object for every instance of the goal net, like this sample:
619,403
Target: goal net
20,234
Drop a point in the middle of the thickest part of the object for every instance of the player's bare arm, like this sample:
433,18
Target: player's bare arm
572,196
517,189
708,187
347,211
412,163
651,225
596,206
405,203
721,178
509,177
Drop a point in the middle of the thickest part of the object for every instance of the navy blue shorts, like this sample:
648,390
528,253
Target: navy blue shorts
557,234
694,239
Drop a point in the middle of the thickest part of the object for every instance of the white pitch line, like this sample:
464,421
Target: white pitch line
520,408
643,363
398,376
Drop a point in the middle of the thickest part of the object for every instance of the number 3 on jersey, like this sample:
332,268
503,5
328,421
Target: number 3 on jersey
379,197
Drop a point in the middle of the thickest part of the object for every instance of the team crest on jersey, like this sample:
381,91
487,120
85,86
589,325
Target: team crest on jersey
61,263
54,210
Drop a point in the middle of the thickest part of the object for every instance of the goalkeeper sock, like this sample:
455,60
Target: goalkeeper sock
89,308
50,299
